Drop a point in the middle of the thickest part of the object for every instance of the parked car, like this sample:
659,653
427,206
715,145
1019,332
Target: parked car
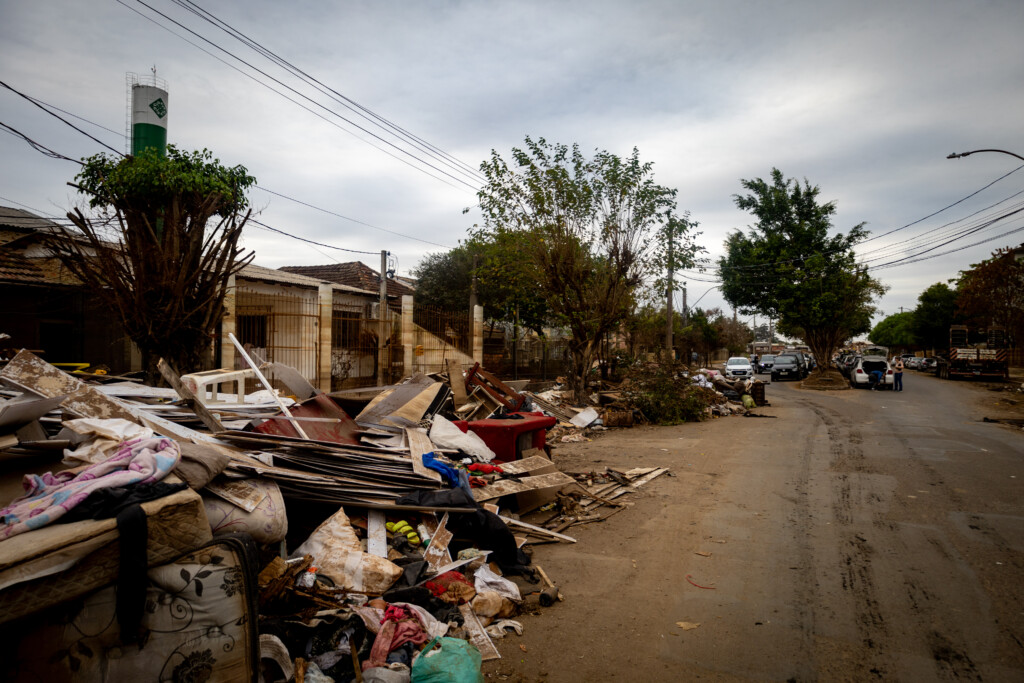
765,363
848,364
738,367
860,374
787,366
912,363
928,364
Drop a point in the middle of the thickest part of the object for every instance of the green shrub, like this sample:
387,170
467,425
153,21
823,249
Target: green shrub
664,395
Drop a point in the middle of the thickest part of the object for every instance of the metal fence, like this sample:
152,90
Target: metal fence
280,328
441,335
356,355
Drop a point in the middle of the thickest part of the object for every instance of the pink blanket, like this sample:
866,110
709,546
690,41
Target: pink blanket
49,496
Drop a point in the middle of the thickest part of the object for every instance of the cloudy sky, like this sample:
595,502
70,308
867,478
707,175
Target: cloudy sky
864,99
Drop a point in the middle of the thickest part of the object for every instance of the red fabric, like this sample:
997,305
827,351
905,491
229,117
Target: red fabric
400,626
485,468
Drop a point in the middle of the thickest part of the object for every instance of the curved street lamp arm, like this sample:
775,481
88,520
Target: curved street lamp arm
956,155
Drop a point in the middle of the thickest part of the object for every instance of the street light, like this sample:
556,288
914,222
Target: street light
956,155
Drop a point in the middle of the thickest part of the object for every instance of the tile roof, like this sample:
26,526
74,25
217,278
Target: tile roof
16,268
254,272
353,274
23,220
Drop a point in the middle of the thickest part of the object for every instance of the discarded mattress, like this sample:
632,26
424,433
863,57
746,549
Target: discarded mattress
64,561
199,624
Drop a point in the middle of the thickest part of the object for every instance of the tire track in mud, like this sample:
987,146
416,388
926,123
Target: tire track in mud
855,552
805,588
951,658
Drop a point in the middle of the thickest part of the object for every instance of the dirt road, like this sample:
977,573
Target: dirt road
855,536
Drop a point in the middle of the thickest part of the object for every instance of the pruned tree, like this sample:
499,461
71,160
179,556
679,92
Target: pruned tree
789,266
992,293
935,312
583,225
163,248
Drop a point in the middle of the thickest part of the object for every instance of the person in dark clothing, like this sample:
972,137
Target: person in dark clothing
874,378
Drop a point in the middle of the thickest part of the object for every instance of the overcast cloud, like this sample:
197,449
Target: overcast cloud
864,99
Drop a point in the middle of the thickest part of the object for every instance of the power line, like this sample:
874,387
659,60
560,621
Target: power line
36,145
56,155
60,118
306,97
352,105
353,220
303,239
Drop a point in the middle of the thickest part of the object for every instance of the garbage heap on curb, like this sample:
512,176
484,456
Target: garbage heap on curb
214,532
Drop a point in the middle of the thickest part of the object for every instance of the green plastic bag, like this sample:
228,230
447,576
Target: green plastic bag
456,662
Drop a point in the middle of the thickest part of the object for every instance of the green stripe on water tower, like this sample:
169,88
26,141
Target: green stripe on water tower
149,118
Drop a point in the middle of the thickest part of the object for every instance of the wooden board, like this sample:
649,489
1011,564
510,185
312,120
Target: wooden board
504,487
376,533
436,555
457,382
526,465
388,402
419,443
477,635
536,530
211,421
241,492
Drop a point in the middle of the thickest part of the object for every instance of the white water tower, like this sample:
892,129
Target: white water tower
148,106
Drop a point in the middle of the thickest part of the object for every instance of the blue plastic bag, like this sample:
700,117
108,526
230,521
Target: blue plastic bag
456,662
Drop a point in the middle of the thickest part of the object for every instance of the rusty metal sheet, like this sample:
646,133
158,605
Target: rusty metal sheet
344,430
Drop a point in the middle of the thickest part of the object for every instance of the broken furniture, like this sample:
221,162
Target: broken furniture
509,437
505,395
207,385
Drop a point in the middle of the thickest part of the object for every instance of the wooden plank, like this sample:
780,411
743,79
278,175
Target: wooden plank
477,635
388,402
34,375
537,530
211,421
504,487
376,533
241,492
436,555
525,465
419,443
457,382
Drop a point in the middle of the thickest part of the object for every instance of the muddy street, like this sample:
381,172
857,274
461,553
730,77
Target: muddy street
850,535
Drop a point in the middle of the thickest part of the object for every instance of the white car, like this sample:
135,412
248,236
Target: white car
860,373
738,367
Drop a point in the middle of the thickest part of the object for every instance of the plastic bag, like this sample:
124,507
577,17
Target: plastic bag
457,661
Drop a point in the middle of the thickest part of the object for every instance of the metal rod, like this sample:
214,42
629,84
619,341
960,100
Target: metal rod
280,403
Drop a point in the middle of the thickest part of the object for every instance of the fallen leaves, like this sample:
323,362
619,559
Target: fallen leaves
687,625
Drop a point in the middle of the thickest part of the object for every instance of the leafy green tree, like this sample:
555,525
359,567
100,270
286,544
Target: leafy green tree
789,266
444,280
935,312
895,331
992,293
732,334
506,287
164,248
700,336
584,225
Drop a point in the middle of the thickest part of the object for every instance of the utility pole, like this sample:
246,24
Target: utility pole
668,306
383,316
686,311
473,302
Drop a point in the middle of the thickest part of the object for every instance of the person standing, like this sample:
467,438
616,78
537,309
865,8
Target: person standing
898,375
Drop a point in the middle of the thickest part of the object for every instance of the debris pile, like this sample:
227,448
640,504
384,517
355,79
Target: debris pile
316,545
